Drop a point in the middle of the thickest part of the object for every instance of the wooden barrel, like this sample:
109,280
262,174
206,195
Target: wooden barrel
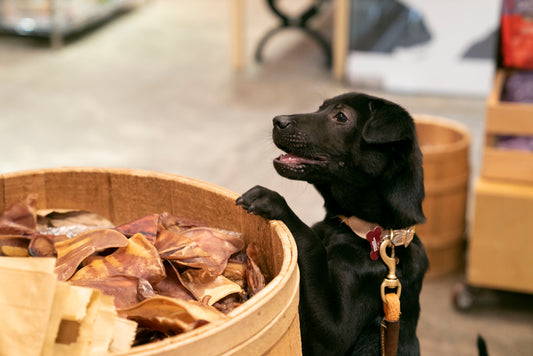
266,324
445,145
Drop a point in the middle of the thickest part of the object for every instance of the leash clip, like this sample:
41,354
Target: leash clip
391,281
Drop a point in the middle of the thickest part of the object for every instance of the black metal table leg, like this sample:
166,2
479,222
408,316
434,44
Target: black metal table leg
299,22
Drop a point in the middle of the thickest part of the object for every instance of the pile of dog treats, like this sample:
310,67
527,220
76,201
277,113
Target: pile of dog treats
168,274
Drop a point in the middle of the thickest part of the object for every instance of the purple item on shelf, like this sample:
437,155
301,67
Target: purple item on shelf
518,87
522,143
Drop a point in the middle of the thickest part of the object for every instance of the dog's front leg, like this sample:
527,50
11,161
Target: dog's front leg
325,330
265,202
272,206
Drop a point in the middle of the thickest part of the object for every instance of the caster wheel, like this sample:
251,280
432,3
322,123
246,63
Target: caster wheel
463,297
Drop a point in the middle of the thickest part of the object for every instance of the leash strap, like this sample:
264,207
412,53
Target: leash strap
391,287
390,325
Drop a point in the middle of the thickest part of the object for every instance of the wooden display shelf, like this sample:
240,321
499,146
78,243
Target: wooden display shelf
501,237
506,118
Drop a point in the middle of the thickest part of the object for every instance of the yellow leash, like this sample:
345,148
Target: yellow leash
390,325
391,287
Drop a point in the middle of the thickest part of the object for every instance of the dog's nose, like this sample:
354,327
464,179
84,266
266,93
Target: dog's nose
282,121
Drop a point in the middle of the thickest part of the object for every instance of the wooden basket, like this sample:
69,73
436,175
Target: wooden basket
267,324
445,145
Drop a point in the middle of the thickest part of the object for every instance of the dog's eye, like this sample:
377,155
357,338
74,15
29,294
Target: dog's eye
341,117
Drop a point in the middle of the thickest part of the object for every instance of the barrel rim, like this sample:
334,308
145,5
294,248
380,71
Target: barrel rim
461,144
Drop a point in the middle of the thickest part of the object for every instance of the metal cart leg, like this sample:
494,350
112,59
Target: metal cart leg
299,22
56,37
464,296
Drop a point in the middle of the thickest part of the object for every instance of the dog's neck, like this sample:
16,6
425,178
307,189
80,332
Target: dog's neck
365,202
366,230
349,200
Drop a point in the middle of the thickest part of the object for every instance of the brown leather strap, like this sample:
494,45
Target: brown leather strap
390,332
390,325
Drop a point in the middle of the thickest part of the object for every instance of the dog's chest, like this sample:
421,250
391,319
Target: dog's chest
343,246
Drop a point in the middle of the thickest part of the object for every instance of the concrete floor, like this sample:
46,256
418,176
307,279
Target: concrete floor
153,89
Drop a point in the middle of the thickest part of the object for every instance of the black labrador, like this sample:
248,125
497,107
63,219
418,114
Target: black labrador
362,155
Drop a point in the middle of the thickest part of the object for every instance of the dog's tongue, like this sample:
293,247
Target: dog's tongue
289,158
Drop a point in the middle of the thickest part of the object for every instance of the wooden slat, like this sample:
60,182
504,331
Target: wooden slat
501,238
18,185
506,118
2,202
259,231
193,199
78,188
135,194
507,165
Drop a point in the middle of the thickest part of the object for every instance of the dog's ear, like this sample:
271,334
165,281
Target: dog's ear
403,180
404,192
387,122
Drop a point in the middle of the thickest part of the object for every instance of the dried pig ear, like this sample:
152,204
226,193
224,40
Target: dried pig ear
173,245
127,290
206,288
138,258
42,246
173,223
14,245
145,336
71,252
171,316
229,303
68,217
69,222
254,277
236,272
20,218
171,286
146,225
93,257
218,246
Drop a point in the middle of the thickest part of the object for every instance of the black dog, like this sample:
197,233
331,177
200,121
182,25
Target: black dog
361,154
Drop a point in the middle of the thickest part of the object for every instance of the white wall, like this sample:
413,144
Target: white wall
436,66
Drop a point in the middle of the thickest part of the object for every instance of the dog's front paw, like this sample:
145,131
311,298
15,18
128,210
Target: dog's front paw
264,202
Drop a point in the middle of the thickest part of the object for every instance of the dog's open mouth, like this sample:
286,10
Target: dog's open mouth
299,160
291,159
294,161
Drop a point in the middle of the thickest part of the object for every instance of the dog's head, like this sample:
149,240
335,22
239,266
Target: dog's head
361,153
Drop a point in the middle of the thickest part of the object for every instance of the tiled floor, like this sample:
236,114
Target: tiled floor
153,89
